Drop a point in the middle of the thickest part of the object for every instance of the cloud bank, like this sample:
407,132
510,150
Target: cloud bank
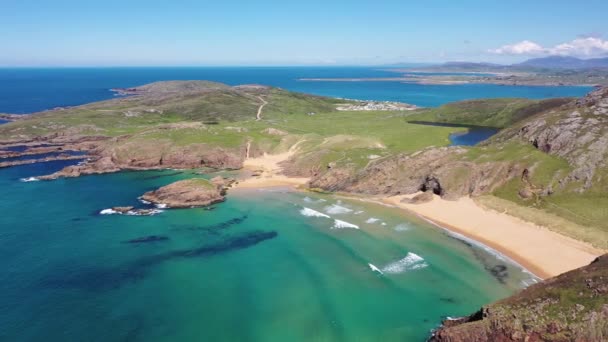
579,47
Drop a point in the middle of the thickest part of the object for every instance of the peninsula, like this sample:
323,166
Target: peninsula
539,183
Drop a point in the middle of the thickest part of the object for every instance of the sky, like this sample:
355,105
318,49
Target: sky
313,32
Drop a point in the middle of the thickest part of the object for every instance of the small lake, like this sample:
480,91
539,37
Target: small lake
473,136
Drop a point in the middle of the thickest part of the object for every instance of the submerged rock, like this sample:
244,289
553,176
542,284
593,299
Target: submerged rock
186,194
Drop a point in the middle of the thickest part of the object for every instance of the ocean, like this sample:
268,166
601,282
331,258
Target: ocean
266,265
26,90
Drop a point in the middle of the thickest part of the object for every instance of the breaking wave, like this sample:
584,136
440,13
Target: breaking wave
29,179
411,261
335,209
150,212
312,213
339,224
402,227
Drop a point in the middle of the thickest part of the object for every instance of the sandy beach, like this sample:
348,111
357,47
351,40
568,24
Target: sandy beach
540,250
267,171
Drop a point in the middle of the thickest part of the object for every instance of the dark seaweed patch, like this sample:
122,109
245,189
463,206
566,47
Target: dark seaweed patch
100,279
498,271
146,239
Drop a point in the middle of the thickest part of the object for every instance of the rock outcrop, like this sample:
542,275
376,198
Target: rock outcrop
570,307
438,170
186,194
577,132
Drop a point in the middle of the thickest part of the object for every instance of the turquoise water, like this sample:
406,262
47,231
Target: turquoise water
26,90
263,266
259,267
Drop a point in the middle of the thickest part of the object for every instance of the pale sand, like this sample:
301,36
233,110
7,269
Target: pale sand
543,252
270,171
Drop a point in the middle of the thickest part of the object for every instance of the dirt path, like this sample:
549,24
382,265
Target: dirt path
259,115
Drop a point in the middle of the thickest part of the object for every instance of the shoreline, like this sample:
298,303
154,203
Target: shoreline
538,250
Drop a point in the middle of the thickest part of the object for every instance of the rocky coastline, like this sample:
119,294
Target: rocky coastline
570,307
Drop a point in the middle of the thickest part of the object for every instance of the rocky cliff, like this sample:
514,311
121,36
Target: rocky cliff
569,307
572,130
576,131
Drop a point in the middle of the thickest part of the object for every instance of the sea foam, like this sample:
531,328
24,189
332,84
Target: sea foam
29,179
402,227
372,220
312,213
339,224
108,212
335,209
411,261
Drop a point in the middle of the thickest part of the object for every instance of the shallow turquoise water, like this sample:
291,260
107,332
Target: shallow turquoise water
257,268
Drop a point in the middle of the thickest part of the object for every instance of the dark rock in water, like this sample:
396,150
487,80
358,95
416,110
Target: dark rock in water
499,272
122,210
189,193
150,238
447,299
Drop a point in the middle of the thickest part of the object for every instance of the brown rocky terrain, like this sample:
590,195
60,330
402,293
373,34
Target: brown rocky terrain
440,170
570,307
578,132
186,194
575,130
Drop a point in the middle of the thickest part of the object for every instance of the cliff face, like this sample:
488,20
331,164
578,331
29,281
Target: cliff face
577,132
574,131
440,170
570,307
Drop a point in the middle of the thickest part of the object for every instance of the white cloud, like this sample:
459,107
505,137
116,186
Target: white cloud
589,46
581,47
522,48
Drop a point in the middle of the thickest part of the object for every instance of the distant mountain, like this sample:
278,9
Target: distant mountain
469,65
550,62
563,62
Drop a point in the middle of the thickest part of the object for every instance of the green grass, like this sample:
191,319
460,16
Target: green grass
170,121
499,113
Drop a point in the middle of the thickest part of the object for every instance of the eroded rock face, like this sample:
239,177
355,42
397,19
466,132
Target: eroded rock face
437,170
577,132
117,156
570,307
186,194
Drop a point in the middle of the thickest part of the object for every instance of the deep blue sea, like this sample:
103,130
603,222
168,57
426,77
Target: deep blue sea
27,90
263,266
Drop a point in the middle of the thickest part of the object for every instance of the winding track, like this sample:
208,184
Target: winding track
258,117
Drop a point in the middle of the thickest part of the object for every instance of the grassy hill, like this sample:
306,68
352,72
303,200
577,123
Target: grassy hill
548,163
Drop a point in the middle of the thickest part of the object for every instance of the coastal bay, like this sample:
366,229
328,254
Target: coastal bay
227,159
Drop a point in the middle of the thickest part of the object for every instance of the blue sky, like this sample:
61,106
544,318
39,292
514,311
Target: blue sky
134,32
